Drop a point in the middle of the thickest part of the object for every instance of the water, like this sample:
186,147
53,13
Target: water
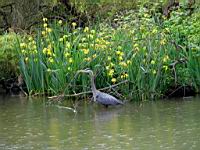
31,124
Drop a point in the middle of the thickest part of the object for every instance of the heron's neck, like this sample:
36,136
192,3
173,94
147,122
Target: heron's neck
93,85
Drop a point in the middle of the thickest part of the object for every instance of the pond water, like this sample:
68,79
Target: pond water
32,124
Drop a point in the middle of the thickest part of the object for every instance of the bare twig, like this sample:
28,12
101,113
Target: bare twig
114,85
116,92
177,46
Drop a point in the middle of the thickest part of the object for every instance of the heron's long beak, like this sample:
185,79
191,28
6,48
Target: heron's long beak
84,71
81,71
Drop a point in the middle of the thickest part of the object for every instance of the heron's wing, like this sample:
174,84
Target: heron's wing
107,99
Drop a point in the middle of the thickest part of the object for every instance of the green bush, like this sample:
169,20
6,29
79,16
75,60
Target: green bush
8,56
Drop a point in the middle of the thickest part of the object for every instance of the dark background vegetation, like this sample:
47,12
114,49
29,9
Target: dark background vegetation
24,14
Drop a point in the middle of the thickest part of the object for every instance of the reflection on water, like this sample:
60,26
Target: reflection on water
31,124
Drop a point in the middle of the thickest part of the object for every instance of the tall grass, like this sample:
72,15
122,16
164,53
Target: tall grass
194,68
139,50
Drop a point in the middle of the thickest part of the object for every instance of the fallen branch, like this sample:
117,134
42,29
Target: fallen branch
87,92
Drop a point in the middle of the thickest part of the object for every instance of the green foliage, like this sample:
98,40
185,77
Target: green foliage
185,32
194,67
8,59
141,47
106,8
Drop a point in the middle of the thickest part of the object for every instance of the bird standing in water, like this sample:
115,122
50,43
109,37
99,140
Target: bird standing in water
101,97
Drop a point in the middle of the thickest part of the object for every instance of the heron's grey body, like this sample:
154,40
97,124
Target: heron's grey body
106,99
102,98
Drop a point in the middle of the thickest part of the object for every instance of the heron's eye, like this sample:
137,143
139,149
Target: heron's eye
97,96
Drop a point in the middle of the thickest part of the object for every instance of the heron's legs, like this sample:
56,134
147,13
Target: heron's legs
106,106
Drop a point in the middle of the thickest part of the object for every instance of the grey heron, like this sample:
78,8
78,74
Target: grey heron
101,97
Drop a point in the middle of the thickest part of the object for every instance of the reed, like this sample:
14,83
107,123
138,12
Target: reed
140,50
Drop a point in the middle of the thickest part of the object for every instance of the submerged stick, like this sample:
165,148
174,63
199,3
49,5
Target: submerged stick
69,108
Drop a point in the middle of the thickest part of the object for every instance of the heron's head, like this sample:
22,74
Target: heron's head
87,70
